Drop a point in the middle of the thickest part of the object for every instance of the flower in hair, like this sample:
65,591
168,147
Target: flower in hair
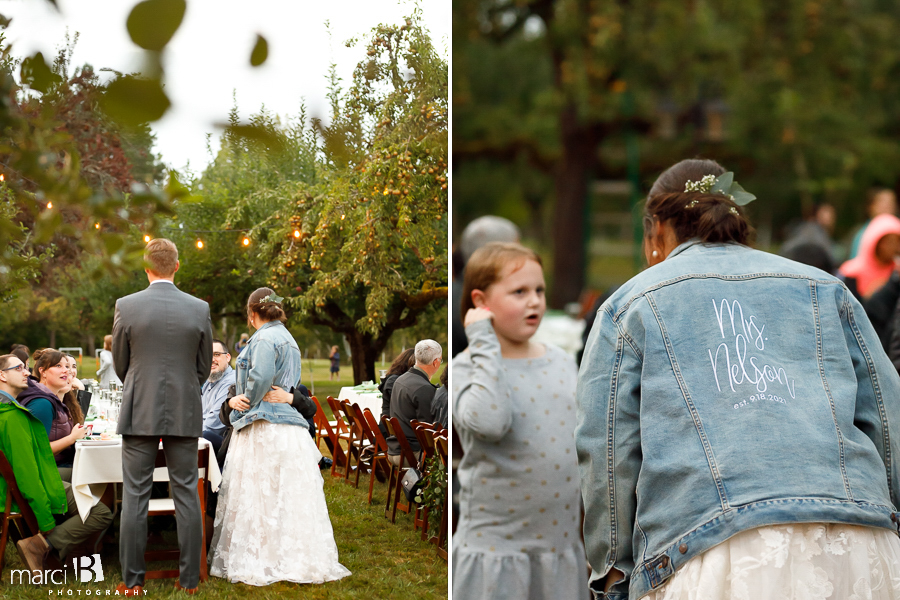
723,184
272,298
704,185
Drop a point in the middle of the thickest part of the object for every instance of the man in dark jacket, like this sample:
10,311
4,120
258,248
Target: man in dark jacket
412,395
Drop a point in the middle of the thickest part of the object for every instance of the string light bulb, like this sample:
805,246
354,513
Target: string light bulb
49,205
200,244
297,233
96,225
146,239
246,241
2,177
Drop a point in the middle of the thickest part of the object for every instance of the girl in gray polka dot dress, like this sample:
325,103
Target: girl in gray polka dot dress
514,411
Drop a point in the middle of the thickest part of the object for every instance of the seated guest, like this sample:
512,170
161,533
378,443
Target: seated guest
25,444
439,403
43,398
412,395
401,365
106,372
214,393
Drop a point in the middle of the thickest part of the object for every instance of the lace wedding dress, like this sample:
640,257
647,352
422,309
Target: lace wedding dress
272,522
799,561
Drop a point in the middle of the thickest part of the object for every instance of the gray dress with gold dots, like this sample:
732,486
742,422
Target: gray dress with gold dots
520,501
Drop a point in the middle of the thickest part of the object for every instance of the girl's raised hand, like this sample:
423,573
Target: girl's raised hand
477,314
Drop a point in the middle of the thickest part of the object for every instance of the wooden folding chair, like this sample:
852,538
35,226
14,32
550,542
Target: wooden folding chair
358,440
426,442
166,506
442,450
26,524
329,434
407,460
380,458
342,429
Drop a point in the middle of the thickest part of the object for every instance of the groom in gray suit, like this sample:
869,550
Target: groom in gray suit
162,351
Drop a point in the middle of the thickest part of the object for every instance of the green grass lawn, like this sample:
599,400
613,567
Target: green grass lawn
387,560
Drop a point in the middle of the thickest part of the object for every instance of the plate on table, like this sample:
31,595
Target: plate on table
98,442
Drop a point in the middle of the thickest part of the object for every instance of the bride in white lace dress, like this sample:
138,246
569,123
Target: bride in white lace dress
272,521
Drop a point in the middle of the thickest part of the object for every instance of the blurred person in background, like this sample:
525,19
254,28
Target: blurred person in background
476,234
879,201
875,262
737,417
22,352
106,372
810,242
439,403
335,368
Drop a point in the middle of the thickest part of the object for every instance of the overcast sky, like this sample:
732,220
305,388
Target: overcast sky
208,59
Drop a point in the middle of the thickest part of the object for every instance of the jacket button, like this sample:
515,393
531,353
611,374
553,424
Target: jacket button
893,517
664,562
682,548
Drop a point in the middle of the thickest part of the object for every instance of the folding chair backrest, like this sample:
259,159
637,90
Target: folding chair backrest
409,457
323,424
352,421
12,491
360,422
320,414
379,441
335,406
442,448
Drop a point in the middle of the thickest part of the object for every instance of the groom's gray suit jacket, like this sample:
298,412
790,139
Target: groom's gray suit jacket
162,352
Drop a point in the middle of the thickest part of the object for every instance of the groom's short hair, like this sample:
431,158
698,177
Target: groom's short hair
161,257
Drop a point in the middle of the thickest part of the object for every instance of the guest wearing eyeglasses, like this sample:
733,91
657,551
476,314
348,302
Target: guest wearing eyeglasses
215,392
24,443
412,395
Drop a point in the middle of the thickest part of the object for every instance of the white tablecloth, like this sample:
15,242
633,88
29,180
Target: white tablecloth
96,466
370,400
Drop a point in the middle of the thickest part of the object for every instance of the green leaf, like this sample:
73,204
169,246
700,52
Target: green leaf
260,51
741,196
152,23
255,133
5,21
723,183
37,74
134,101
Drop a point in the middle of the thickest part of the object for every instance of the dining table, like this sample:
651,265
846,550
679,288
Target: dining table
98,463
366,395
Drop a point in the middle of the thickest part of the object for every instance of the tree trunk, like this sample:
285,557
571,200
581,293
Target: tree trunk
52,339
88,343
365,350
573,173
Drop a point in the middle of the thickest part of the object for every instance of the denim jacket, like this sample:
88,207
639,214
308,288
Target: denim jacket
722,390
271,357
